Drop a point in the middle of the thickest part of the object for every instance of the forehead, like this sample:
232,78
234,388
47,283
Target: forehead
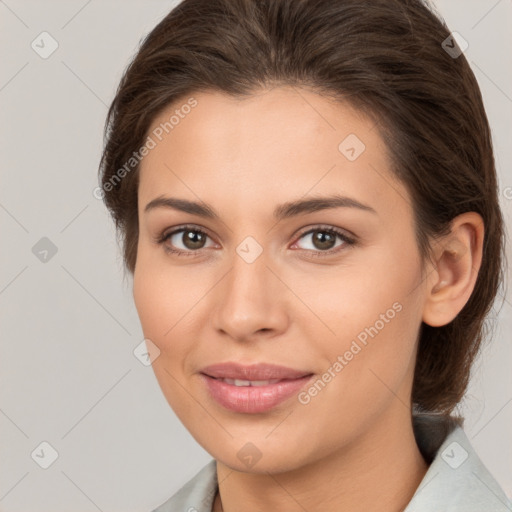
275,144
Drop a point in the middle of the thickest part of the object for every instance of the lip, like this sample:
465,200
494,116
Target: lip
259,371
252,399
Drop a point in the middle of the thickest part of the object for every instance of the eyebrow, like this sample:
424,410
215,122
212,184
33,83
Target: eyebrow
282,211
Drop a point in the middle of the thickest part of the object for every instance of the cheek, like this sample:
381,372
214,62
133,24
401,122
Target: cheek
164,295
172,306
374,289
162,301
373,311
150,296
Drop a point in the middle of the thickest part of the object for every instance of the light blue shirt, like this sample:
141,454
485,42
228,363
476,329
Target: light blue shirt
456,480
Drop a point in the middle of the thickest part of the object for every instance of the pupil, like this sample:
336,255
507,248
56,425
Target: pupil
193,239
323,240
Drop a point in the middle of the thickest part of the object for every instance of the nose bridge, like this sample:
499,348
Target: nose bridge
249,267
248,299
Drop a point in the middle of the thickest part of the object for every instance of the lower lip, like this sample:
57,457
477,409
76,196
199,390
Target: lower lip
253,399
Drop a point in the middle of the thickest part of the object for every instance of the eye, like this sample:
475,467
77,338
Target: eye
322,240
189,240
185,240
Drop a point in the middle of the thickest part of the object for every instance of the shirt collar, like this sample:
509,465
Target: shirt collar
456,480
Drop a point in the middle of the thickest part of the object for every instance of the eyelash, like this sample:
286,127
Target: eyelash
162,238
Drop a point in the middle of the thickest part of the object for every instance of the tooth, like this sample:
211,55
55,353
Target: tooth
239,382
242,382
259,382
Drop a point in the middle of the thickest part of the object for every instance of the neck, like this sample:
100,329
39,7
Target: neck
381,469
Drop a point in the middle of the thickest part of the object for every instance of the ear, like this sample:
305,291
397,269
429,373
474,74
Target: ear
457,258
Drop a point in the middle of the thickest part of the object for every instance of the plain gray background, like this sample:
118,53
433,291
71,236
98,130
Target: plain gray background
68,375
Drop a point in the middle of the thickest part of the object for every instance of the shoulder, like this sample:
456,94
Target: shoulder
457,480
196,495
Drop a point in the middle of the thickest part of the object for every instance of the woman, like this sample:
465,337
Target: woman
307,200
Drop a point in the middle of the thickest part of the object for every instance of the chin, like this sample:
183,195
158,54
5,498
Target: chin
257,455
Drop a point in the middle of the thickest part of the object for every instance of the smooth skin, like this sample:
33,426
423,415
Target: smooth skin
300,304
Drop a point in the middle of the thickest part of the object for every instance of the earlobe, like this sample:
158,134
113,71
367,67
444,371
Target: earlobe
457,258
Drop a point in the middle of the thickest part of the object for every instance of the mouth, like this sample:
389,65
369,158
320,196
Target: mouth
252,389
256,383
252,373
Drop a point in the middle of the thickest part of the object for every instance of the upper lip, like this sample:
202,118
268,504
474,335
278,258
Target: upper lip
259,371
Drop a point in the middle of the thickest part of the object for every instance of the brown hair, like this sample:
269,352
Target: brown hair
385,57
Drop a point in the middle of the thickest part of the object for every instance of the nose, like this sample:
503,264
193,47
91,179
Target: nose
251,301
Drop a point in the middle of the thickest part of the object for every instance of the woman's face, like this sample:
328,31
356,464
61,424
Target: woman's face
333,296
